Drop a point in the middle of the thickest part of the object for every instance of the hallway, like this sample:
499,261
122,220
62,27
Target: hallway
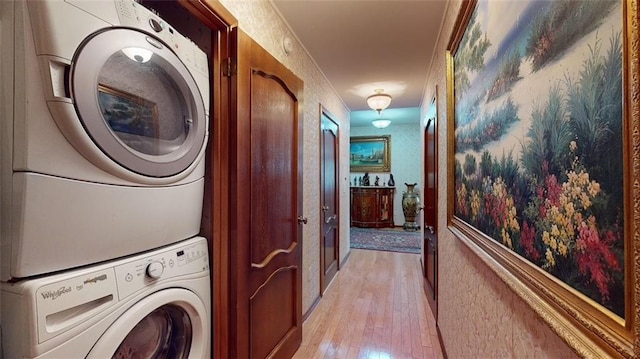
374,309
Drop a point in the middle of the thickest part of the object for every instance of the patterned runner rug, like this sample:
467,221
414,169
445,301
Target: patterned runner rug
394,240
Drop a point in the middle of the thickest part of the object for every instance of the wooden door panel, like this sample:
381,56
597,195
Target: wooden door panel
270,328
266,202
329,245
273,207
329,250
430,212
431,265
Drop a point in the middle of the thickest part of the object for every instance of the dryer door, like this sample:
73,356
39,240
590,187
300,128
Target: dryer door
171,323
139,103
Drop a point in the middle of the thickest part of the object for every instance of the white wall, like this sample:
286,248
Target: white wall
406,163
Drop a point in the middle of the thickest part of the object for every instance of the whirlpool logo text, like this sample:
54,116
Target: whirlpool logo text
54,294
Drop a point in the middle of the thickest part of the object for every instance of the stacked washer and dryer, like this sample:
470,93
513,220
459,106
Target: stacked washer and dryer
103,133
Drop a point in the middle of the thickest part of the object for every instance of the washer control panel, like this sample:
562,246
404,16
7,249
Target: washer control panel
67,302
155,270
61,301
175,261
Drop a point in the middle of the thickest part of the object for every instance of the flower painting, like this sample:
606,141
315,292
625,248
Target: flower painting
539,112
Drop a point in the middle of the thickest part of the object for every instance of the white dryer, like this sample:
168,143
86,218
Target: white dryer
104,128
155,305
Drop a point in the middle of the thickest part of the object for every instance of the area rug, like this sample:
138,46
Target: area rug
393,240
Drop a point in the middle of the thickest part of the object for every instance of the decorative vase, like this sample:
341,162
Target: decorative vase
410,207
391,182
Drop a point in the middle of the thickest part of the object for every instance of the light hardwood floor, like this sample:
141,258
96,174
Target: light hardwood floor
374,309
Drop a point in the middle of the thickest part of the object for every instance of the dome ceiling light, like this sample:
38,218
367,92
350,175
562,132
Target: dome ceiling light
381,123
379,101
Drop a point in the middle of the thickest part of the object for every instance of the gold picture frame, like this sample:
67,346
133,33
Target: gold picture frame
370,154
547,202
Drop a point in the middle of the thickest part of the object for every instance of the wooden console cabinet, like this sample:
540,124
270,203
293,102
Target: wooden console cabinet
372,207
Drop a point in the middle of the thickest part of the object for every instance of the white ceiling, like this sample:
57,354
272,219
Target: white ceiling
363,45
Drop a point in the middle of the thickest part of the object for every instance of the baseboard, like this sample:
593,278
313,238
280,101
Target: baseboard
311,308
444,350
344,261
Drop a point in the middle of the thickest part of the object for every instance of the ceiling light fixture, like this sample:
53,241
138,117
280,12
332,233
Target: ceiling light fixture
381,123
379,101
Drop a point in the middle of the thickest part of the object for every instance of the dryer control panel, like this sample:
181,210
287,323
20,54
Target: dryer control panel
143,273
135,15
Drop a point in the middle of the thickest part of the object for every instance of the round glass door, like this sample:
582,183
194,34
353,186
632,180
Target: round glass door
138,102
171,323
163,334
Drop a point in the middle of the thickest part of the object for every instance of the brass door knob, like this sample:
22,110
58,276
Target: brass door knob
302,220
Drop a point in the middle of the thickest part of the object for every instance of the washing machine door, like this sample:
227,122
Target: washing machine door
171,324
138,102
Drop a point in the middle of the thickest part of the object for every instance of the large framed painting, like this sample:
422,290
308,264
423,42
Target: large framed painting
370,154
544,148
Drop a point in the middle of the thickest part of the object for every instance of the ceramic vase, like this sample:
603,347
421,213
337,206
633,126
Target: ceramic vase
410,207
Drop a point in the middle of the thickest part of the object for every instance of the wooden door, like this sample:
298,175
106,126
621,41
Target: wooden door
329,246
266,203
430,256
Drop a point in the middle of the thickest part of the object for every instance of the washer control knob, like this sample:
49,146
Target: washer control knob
155,270
155,25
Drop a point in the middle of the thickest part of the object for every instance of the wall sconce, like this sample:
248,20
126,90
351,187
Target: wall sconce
381,123
379,101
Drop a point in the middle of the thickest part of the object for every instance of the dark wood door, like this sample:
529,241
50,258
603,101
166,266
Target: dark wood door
266,218
430,256
329,247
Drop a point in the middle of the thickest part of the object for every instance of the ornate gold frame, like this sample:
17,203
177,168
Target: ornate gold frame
384,165
584,325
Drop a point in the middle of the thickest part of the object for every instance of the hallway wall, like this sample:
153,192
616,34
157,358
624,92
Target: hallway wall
262,23
478,314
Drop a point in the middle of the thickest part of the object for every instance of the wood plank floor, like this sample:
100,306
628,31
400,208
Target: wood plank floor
374,309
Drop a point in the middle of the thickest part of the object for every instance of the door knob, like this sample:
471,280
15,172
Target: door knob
302,220
325,208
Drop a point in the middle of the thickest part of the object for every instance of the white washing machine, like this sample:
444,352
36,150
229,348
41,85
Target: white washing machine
104,127
155,305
